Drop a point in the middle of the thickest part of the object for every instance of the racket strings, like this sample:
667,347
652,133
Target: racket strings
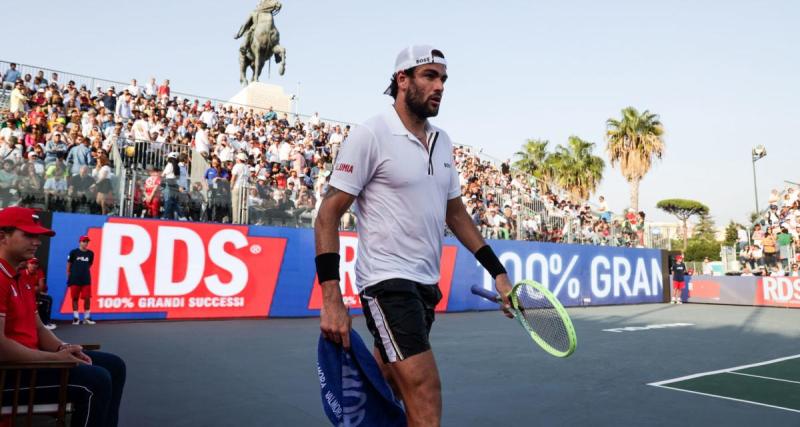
542,317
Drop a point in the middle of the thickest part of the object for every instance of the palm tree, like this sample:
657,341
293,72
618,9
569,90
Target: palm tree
576,170
633,142
533,160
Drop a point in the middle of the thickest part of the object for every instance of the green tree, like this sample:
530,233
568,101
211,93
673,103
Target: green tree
634,141
534,160
698,249
705,229
683,210
575,169
732,233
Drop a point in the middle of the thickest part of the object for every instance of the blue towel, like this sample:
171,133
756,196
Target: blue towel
354,392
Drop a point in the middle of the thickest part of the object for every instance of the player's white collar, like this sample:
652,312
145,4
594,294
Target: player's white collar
397,127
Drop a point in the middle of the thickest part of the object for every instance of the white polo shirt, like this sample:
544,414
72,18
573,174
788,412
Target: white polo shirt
402,191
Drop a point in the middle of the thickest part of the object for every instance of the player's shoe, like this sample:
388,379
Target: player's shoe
88,321
679,302
672,300
76,321
50,326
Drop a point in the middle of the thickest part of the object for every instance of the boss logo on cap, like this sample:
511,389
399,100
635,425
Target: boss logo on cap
424,60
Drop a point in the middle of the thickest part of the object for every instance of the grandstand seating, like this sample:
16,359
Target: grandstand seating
125,136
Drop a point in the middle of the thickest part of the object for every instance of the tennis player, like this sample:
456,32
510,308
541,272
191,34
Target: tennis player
399,170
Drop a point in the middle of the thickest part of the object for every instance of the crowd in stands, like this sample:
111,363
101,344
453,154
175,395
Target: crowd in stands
505,203
260,166
772,245
54,155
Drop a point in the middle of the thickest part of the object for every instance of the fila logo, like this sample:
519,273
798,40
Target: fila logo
344,167
447,165
423,60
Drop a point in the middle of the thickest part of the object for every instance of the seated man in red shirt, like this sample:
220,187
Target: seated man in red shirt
95,385
31,275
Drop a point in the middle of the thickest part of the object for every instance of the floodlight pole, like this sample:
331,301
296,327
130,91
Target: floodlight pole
755,156
755,184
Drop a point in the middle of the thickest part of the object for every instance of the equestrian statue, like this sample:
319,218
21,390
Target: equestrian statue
261,41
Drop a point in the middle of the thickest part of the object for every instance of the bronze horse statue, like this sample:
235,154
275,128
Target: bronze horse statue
262,41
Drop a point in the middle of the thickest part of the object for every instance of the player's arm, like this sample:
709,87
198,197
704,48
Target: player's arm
460,223
334,319
355,166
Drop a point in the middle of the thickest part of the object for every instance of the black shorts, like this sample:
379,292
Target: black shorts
399,315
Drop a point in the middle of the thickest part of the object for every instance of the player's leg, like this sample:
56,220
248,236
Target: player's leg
417,378
387,373
399,315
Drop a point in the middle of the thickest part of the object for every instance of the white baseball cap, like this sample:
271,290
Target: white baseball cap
413,56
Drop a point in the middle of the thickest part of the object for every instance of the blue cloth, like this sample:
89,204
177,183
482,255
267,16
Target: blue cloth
354,392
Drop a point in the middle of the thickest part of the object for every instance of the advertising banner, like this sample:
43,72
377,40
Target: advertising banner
750,290
152,269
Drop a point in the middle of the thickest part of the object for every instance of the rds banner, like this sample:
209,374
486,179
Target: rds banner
746,290
151,269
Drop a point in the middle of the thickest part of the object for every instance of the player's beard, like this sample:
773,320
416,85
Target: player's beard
417,104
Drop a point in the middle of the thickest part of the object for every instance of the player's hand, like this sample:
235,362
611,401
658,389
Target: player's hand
503,286
334,320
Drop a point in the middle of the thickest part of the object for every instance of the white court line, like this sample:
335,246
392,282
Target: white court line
727,398
766,378
722,371
662,384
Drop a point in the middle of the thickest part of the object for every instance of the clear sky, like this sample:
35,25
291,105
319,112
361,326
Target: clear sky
723,75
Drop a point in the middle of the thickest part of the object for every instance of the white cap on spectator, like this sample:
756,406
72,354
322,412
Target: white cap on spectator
413,56
241,156
172,155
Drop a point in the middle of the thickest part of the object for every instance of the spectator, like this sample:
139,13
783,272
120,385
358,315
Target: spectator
151,89
103,187
54,148
239,180
152,196
18,98
770,249
133,88
784,242
79,155
171,188
80,188
11,76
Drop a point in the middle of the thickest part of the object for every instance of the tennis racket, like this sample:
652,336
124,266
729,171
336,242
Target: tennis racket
541,314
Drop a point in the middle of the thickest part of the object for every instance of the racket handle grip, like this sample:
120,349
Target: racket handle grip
491,296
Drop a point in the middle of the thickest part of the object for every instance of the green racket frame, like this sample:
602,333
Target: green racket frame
573,339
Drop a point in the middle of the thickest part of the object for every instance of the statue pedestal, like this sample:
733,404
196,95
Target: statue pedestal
260,96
